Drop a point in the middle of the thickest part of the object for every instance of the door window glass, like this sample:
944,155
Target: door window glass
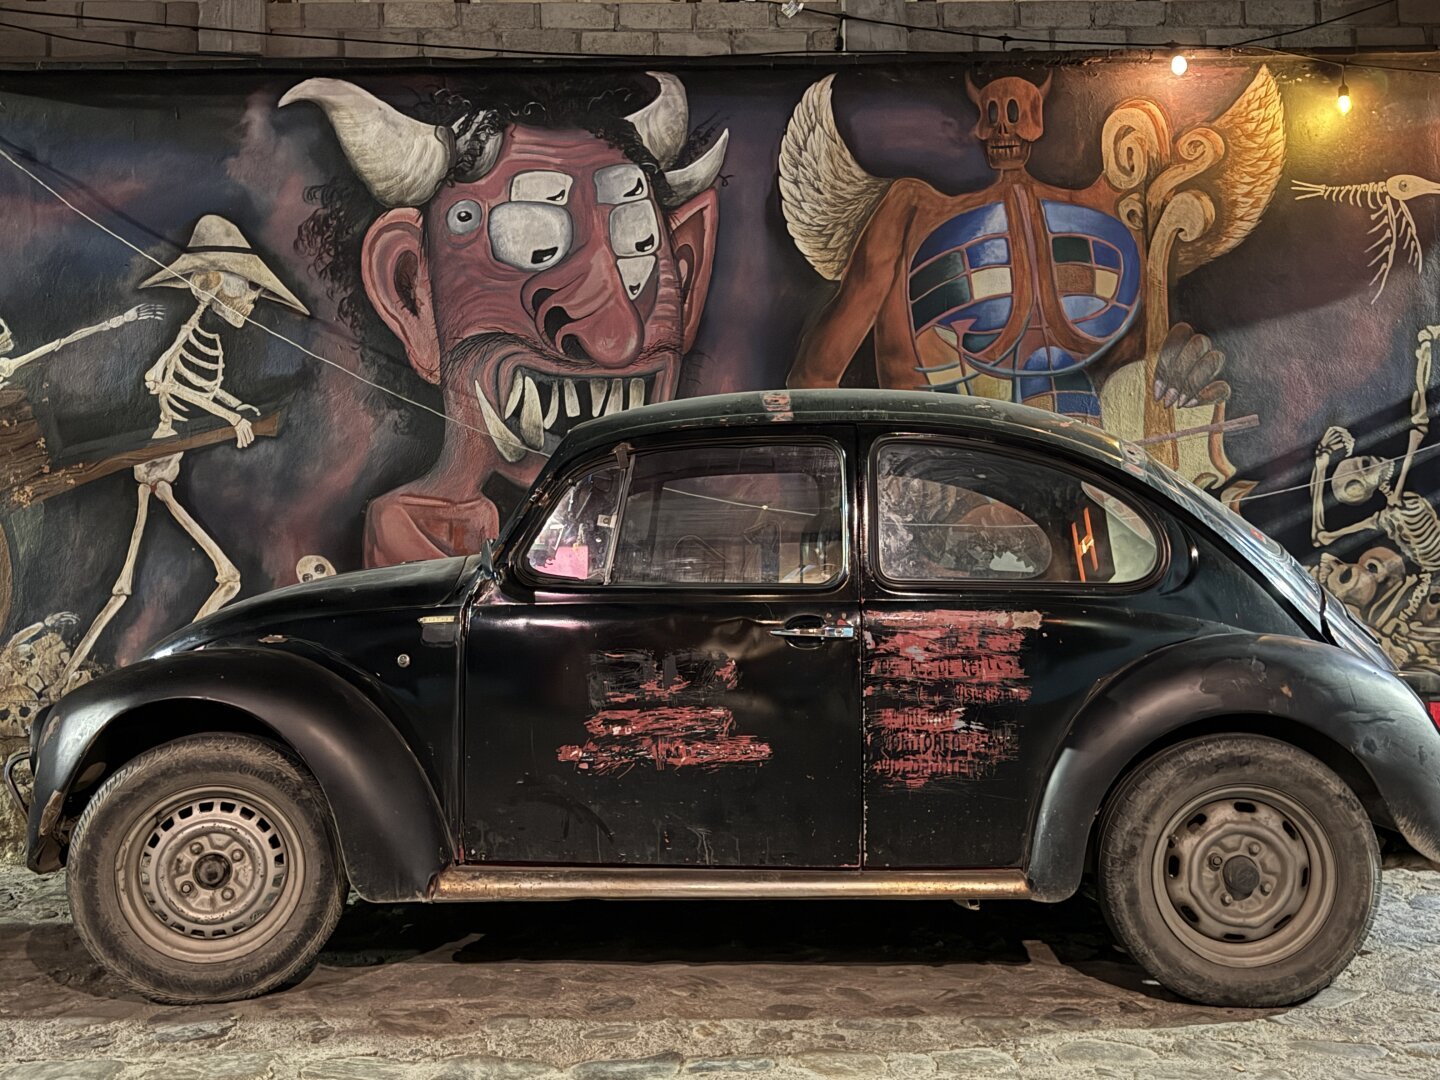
955,514
733,515
576,539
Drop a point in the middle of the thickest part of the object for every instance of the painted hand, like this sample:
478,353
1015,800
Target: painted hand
1335,440
144,311
1187,373
244,433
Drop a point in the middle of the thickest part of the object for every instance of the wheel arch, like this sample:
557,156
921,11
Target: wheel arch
1362,723
392,833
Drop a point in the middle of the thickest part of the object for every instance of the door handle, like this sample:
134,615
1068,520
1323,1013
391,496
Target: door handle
826,632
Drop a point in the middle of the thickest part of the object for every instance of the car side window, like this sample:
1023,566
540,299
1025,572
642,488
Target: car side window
949,513
761,514
575,541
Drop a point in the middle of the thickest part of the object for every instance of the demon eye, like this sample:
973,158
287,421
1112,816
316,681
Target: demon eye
464,217
634,273
1012,110
540,185
634,229
528,235
620,184
994,112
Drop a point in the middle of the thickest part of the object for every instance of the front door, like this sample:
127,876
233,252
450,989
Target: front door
669,675
1005,588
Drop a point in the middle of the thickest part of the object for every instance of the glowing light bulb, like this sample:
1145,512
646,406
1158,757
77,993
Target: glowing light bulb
1178,64
1342,99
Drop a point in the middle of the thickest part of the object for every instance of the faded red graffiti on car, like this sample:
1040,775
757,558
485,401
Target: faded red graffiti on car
928,677
666,711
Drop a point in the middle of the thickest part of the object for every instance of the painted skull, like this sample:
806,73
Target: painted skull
1358,478
1359,584
1012,117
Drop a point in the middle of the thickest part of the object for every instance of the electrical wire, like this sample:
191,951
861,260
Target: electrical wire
5,154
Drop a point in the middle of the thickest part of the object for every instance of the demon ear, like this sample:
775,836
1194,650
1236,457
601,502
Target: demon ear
971,90
397,280
1045,86
693,226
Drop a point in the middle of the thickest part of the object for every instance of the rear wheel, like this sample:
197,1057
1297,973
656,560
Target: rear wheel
206,870
1238,870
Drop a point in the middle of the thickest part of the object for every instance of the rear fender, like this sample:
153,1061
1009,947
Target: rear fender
1369,713
392,832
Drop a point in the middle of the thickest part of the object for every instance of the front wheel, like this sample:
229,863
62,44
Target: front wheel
1238,870
206,870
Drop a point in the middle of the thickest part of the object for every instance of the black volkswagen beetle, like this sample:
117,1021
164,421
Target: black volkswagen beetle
807,644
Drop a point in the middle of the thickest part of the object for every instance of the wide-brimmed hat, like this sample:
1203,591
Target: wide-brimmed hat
217,244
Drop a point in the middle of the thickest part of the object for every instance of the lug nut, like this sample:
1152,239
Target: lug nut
1254,849
196,848
186,888
1265,889
1215,862
237,855
1226,900
227,894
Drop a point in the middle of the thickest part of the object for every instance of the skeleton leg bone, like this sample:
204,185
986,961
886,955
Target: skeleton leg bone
119,593
227,575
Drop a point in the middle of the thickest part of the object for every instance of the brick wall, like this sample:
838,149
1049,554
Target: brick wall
83,31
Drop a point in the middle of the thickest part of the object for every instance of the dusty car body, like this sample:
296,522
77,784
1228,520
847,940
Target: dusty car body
808,644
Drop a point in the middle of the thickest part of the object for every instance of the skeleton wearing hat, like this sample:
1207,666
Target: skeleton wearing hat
227,279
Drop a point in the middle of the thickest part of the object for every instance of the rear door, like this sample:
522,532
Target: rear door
1005,588
671,676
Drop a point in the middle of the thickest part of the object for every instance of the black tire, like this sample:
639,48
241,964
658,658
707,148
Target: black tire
206,869
1238,870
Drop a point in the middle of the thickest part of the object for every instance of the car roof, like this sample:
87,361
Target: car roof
897,409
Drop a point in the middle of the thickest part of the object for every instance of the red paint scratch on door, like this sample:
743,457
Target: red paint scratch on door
665,711
929,676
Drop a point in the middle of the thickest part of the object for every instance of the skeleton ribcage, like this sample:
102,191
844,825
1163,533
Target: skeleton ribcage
196,363
1415,528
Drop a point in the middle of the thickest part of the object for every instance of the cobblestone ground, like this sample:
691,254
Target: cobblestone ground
590,991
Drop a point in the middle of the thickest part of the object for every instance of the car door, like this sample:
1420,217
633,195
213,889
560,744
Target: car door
668,674
1006,587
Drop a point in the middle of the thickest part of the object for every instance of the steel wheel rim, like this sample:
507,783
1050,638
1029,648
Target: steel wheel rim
209,874
1244,876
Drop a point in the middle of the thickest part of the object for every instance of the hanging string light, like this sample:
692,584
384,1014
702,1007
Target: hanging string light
1342,98
1178,64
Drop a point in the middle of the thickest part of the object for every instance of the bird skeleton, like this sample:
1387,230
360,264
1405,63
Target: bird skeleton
1392,224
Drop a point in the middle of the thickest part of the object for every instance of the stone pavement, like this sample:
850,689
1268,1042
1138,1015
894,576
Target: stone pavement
641,991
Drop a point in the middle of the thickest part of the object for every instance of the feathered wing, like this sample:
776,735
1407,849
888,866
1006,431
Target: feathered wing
824,193
1243,182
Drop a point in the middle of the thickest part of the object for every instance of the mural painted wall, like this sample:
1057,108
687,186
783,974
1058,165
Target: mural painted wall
259,328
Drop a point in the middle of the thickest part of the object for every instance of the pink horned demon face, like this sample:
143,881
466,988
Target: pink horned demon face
1012,117
539,275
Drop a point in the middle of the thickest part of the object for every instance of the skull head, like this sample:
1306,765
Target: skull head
1012,117
1359,584
1358,478
313,568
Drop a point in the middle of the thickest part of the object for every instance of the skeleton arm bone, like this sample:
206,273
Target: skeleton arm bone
1419,416
10,365
1334,440
227,398
244,435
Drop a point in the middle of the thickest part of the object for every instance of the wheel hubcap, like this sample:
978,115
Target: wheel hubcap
208,873
1244,877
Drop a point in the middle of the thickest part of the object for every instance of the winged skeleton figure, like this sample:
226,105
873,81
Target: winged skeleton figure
1024,291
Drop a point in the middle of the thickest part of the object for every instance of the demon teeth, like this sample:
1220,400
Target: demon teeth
532,425
637,393
572,399
511,449
517,387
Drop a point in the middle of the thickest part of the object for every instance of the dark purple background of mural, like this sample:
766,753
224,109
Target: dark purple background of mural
148,154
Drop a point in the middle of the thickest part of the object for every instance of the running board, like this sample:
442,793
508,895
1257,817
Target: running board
586,883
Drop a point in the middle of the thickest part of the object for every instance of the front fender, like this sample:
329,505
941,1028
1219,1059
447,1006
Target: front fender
1369,712
392,832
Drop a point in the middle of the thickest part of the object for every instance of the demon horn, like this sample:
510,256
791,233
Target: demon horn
700,173
663,124
401,160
